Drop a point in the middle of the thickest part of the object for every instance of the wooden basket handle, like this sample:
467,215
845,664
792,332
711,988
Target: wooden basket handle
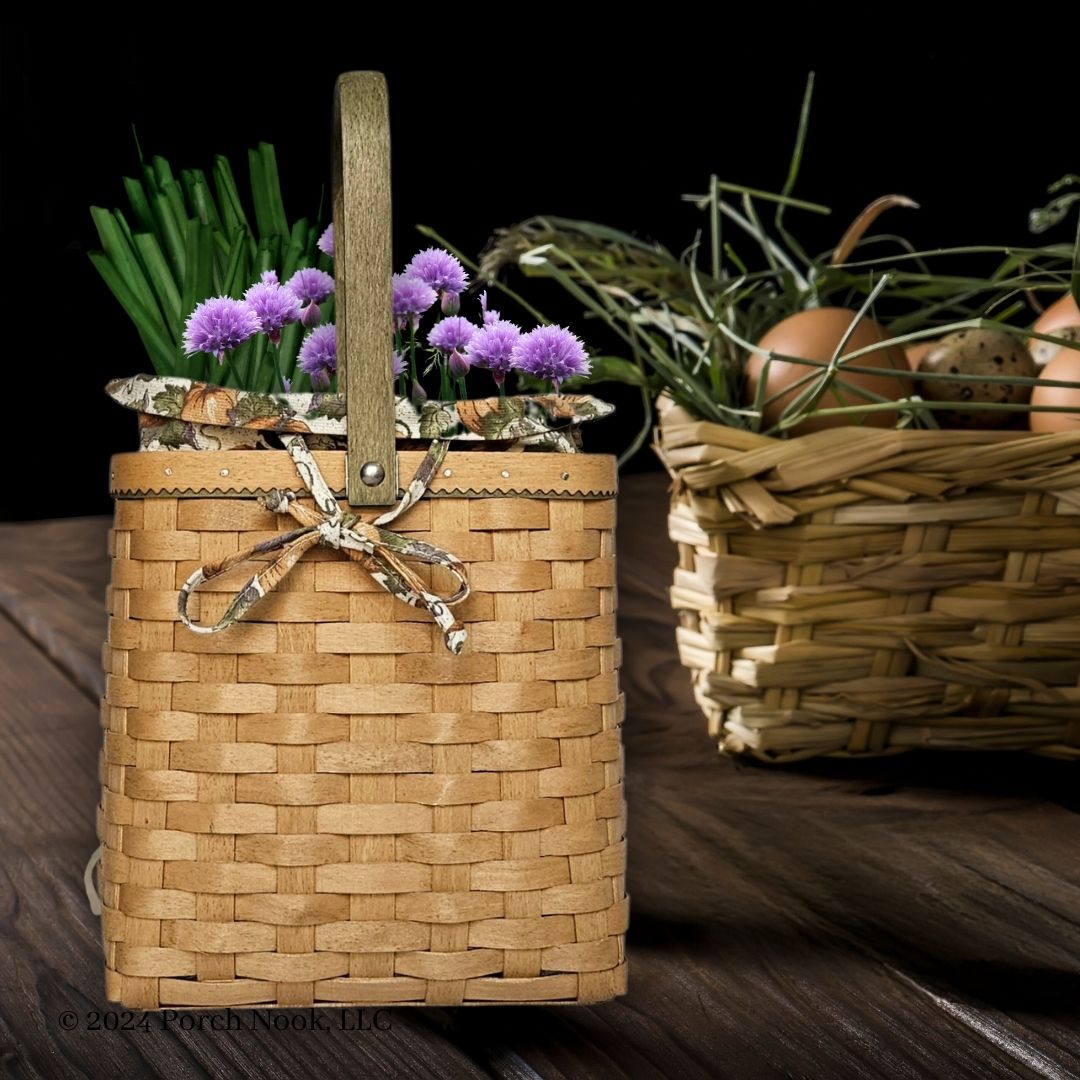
362,267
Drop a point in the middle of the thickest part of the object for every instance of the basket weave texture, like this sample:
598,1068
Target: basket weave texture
322,805
859,591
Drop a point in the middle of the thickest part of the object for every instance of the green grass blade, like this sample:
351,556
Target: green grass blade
287,350
161,281
150,179
140,207
616,369
199,282
275,208
296,250
113,233
800,144
175,195
162,170
596,231
259,195
764,196
266,256
200,197
170,230
235,269
229,204
162,350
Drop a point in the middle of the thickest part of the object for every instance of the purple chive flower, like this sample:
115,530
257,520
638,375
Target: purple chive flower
492,347
458,363
311,287
551,352
409,299
418,392
453,332
287,383
325,243
445,274
318,355
269,277
275,306
218,325
490,315
397,365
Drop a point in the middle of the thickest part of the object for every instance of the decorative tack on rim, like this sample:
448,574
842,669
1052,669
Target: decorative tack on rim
372,473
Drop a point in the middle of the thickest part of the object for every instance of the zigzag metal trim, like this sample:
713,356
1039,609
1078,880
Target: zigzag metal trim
462,493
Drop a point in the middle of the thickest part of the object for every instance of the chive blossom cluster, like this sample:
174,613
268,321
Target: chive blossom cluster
432,280
456,345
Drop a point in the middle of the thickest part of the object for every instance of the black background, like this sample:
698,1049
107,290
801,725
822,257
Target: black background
489,127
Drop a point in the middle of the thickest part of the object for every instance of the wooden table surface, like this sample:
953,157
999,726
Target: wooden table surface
910,917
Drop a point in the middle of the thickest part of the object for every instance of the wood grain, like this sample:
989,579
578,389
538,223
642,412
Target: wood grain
362,265
913,917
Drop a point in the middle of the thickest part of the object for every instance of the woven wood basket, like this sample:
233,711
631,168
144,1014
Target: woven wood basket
322,805
859,591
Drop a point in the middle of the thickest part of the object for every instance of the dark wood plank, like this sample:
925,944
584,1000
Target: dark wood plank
52,585
908,917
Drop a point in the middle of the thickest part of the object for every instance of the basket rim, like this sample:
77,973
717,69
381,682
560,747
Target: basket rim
463,473
673,417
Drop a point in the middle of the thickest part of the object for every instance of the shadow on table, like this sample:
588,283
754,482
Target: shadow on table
934,961
984,773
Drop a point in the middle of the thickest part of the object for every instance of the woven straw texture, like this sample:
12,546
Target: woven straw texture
321,805
857,591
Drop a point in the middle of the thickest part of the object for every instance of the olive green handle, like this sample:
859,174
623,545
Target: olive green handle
362,268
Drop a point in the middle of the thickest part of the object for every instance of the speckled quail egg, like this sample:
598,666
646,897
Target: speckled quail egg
974,353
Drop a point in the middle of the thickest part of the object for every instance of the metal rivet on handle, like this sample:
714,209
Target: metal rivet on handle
505,474
448,472
372,473
224,472
566,476
168,472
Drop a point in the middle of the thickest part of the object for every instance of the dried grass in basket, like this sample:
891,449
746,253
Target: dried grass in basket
863,591
322,805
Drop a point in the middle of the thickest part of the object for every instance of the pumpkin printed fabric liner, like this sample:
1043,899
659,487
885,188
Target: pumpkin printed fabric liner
179,414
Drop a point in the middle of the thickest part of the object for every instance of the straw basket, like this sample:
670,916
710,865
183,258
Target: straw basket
860,591
322,805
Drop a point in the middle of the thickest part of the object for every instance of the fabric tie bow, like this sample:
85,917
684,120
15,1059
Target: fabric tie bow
379,551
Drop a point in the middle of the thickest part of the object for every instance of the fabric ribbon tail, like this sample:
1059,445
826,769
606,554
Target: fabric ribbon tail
401,581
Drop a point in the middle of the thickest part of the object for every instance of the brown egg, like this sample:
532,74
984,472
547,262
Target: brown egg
1065,367
917,351
977,352
814,335
1062,319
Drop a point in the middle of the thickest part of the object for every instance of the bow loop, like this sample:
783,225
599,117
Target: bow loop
379,551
